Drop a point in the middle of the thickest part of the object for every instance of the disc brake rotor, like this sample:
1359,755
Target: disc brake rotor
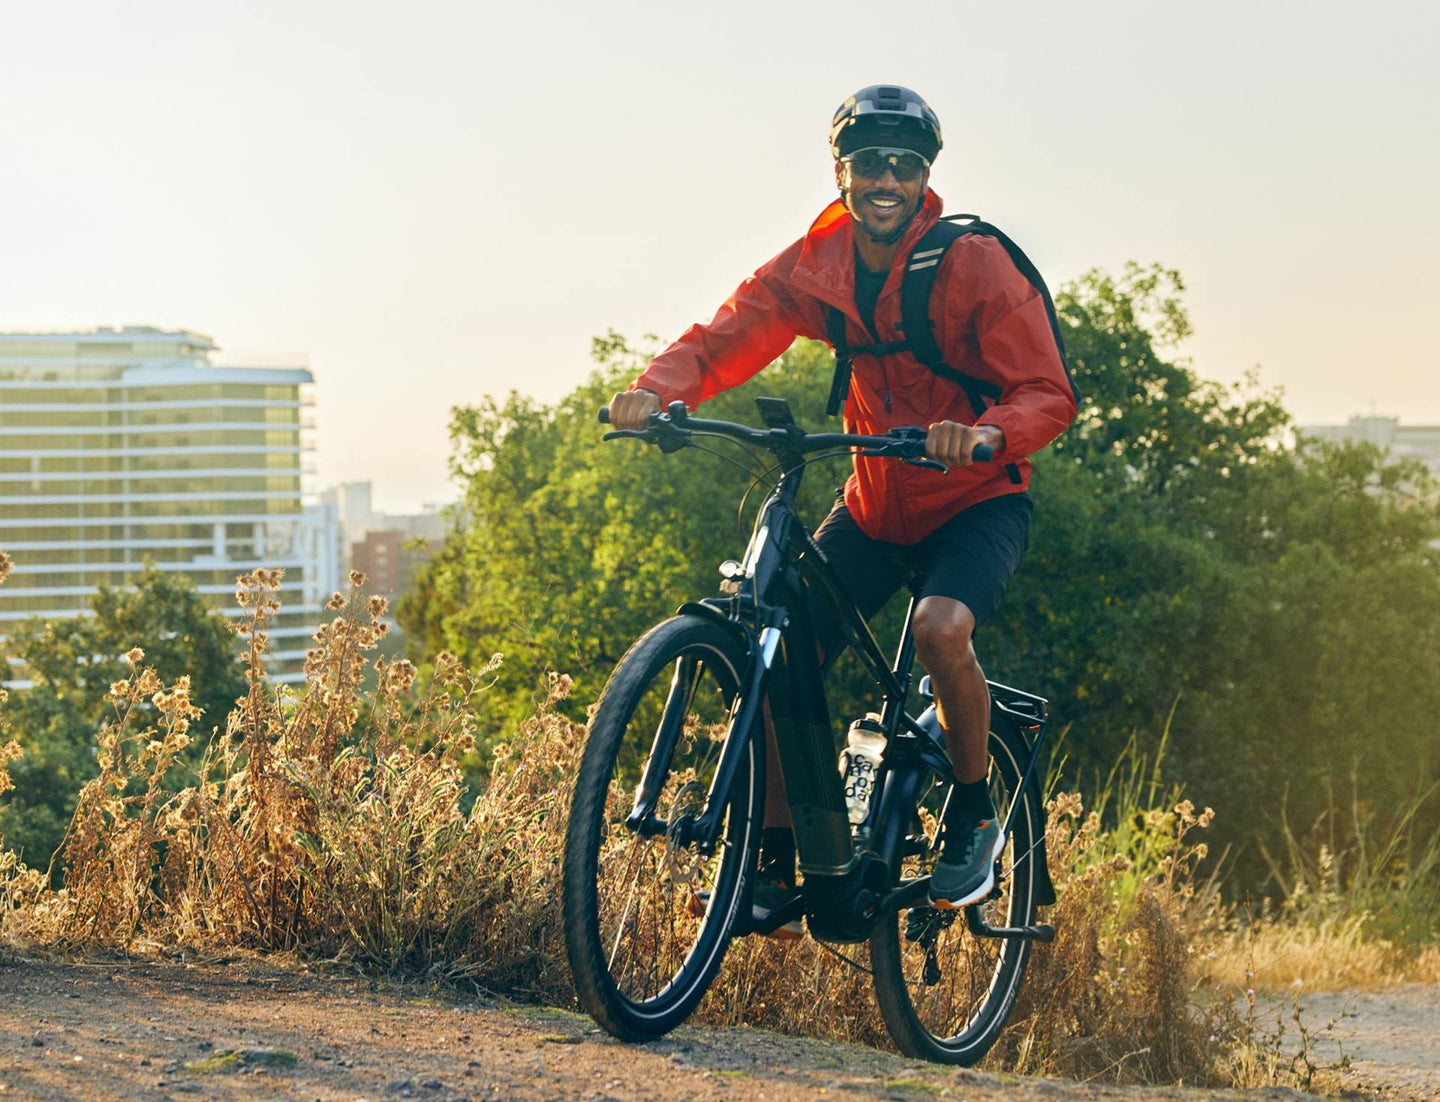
683,862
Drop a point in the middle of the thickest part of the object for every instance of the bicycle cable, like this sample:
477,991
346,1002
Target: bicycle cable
750,472
747,471
748,449
777,466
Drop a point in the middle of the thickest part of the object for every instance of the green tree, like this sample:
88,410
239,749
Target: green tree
567,547
71,665
1277,603
1282,599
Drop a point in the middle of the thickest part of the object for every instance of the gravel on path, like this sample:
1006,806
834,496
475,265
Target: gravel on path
245,1029
1391,1036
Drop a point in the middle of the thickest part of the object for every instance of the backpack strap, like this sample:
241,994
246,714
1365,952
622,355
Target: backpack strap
840,384
955,229
844,356
918,326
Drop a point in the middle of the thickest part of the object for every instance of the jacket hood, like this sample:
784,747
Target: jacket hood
826,264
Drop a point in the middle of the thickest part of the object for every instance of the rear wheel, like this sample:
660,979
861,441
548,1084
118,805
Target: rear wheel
944,993
647,915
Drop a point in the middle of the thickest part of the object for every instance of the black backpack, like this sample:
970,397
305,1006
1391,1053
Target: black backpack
918,327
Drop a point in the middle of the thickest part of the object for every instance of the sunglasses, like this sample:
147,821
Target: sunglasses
872,163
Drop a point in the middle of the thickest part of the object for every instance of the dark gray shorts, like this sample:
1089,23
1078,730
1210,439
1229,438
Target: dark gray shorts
971,557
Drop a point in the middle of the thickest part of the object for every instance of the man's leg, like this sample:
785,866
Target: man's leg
944,631
967,563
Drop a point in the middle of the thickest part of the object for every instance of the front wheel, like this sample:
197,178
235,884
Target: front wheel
647,915
944,993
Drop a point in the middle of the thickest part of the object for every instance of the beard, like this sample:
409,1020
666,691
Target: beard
880,237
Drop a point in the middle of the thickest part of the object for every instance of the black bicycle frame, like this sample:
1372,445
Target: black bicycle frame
768,610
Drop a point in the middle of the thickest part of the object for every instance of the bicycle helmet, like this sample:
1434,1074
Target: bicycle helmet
885,115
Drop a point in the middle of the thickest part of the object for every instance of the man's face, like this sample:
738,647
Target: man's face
882,203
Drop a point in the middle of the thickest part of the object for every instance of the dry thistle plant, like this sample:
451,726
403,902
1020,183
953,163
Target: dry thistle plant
1111,997
331,821
20,887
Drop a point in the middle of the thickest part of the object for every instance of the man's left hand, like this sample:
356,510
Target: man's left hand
952,443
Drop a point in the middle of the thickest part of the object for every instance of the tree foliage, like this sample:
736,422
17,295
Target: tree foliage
1277,602
567,548
72,664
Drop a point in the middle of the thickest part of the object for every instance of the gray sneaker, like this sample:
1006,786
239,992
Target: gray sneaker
770,894
965,872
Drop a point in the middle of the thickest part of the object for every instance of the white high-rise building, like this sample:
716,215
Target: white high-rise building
119,446
1420,442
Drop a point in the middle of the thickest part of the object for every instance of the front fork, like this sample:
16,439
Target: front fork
704,831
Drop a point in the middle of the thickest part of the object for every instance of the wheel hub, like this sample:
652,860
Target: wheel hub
682,860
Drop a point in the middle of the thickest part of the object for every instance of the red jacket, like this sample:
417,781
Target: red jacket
990,323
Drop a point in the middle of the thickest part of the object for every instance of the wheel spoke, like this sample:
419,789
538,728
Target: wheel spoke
620,926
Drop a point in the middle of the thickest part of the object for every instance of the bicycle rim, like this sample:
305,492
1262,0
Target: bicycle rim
648,917
944,993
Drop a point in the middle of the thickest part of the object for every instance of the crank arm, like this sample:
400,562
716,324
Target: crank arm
910,893
772,920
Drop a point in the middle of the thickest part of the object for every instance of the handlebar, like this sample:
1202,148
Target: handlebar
670,431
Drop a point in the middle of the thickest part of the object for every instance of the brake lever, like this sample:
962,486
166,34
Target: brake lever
928,464
627,434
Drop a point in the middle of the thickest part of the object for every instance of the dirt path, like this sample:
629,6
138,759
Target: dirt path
1392,1037
246,1030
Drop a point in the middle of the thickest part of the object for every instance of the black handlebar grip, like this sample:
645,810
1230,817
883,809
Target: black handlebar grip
983,453
604,415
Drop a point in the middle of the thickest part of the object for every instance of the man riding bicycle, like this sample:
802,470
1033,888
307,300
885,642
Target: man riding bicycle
966,529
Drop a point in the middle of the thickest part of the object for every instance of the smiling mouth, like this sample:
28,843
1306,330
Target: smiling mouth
885,204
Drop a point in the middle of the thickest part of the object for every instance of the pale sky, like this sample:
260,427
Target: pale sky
438,200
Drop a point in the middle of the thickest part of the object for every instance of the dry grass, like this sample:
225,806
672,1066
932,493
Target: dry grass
1318,955
1359,913
335,822
332,821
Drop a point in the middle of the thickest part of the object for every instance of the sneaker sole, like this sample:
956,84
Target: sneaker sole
791,931
978,893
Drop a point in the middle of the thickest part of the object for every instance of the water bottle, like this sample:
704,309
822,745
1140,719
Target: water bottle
859,764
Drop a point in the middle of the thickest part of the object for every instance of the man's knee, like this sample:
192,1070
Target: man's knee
943,630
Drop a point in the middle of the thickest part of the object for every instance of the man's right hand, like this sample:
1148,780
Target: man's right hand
631,409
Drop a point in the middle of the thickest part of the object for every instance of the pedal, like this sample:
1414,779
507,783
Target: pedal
980,928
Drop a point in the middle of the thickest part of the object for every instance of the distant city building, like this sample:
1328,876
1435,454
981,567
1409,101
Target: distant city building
387,547
353,503
1420,442
122,445
389,558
